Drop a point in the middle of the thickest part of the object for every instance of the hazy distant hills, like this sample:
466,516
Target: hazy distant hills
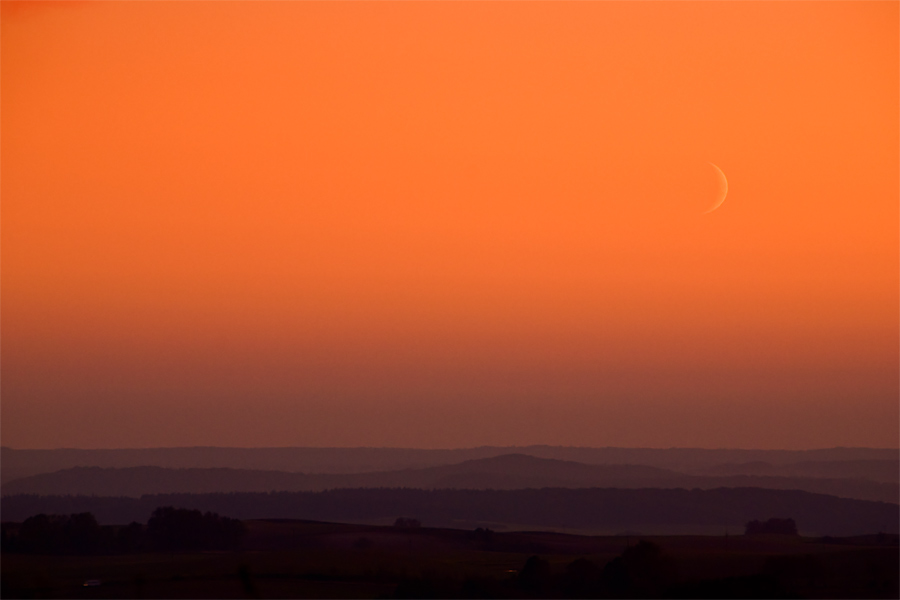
513,471
874,470
506,472
646,511
839,491
15,464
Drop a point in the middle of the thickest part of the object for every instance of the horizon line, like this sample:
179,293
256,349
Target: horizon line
486,446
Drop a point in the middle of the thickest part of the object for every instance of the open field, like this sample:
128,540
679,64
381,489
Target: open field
302,559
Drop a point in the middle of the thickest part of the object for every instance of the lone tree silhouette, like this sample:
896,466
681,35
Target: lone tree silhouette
407,523
776,526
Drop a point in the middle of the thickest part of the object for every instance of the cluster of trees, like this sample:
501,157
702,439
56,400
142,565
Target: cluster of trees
776,526
179,529
59,534
407,523
169,529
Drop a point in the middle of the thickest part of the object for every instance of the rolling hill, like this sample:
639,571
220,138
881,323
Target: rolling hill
18,463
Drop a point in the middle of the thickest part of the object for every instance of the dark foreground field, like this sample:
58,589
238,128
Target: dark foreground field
303,559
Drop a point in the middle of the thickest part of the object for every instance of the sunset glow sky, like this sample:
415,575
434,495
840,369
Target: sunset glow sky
444,224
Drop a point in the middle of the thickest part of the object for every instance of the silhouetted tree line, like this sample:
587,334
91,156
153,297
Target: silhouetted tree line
879,539
482,534
594,508
641,571
169,529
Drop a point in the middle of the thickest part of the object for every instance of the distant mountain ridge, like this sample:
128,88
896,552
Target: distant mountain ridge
512,471
16,463
887,471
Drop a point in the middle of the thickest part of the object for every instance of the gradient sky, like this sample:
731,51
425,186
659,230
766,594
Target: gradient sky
450,224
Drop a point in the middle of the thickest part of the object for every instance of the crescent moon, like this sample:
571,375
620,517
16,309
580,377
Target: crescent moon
723,190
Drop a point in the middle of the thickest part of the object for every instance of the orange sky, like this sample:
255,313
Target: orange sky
450,224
